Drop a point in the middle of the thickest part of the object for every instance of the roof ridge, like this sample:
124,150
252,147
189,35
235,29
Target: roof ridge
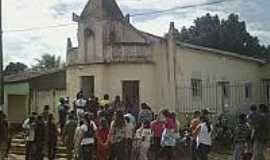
114,5
223,52
109,7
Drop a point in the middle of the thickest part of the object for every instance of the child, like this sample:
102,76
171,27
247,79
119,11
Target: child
144,134
102,140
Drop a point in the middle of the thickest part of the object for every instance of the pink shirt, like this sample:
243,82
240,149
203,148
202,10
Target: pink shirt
157,128
170,123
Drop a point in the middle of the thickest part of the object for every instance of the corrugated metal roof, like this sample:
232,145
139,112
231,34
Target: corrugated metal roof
221,52
28,75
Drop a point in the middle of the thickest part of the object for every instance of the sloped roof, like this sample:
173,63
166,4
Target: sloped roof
221,52
112,9
109,7
28,75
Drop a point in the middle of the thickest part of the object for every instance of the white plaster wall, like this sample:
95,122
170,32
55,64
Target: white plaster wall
212,68
109,77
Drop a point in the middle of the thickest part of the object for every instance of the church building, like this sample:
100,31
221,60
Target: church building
113,57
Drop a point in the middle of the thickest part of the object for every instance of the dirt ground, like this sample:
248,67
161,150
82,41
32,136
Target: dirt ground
215,156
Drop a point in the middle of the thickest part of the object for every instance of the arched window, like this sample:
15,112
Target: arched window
88,32
112,36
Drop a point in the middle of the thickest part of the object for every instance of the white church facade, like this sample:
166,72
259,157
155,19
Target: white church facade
115,58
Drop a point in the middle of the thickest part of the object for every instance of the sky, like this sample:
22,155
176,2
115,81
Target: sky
27,46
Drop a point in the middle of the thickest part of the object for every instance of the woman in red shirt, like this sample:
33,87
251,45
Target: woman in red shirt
102,140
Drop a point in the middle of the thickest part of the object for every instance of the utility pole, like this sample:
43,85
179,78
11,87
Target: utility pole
1,60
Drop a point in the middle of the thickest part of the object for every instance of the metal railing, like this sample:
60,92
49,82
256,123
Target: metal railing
219,96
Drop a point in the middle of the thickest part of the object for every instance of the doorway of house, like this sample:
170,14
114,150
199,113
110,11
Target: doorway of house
224,95
131,91
17,108
266,91
88,86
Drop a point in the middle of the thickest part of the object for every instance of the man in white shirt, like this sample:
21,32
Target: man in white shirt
29,127
80,105
130,128
204,141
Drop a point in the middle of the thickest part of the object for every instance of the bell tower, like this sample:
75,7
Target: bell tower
92,25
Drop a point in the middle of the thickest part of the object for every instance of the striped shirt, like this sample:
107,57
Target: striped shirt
242,133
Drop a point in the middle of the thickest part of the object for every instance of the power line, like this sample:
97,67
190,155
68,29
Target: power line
132,15
178,8
40,28
2,92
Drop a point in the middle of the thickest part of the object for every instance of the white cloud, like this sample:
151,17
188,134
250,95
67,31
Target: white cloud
26,46
158,4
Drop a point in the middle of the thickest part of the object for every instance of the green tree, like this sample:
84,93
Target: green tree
15,67
48,61
229,35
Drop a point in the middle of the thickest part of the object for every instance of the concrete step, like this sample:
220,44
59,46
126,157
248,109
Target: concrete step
22,157
22,153
17,150
21,141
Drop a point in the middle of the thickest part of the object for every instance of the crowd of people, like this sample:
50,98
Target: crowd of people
117,130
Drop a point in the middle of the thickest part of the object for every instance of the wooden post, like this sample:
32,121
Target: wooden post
1,60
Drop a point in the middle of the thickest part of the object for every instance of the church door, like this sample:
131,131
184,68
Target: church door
130,91
88,86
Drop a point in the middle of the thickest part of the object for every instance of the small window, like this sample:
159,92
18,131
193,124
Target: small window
196,85
248,90
112,37
267,91
225,86
88,32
